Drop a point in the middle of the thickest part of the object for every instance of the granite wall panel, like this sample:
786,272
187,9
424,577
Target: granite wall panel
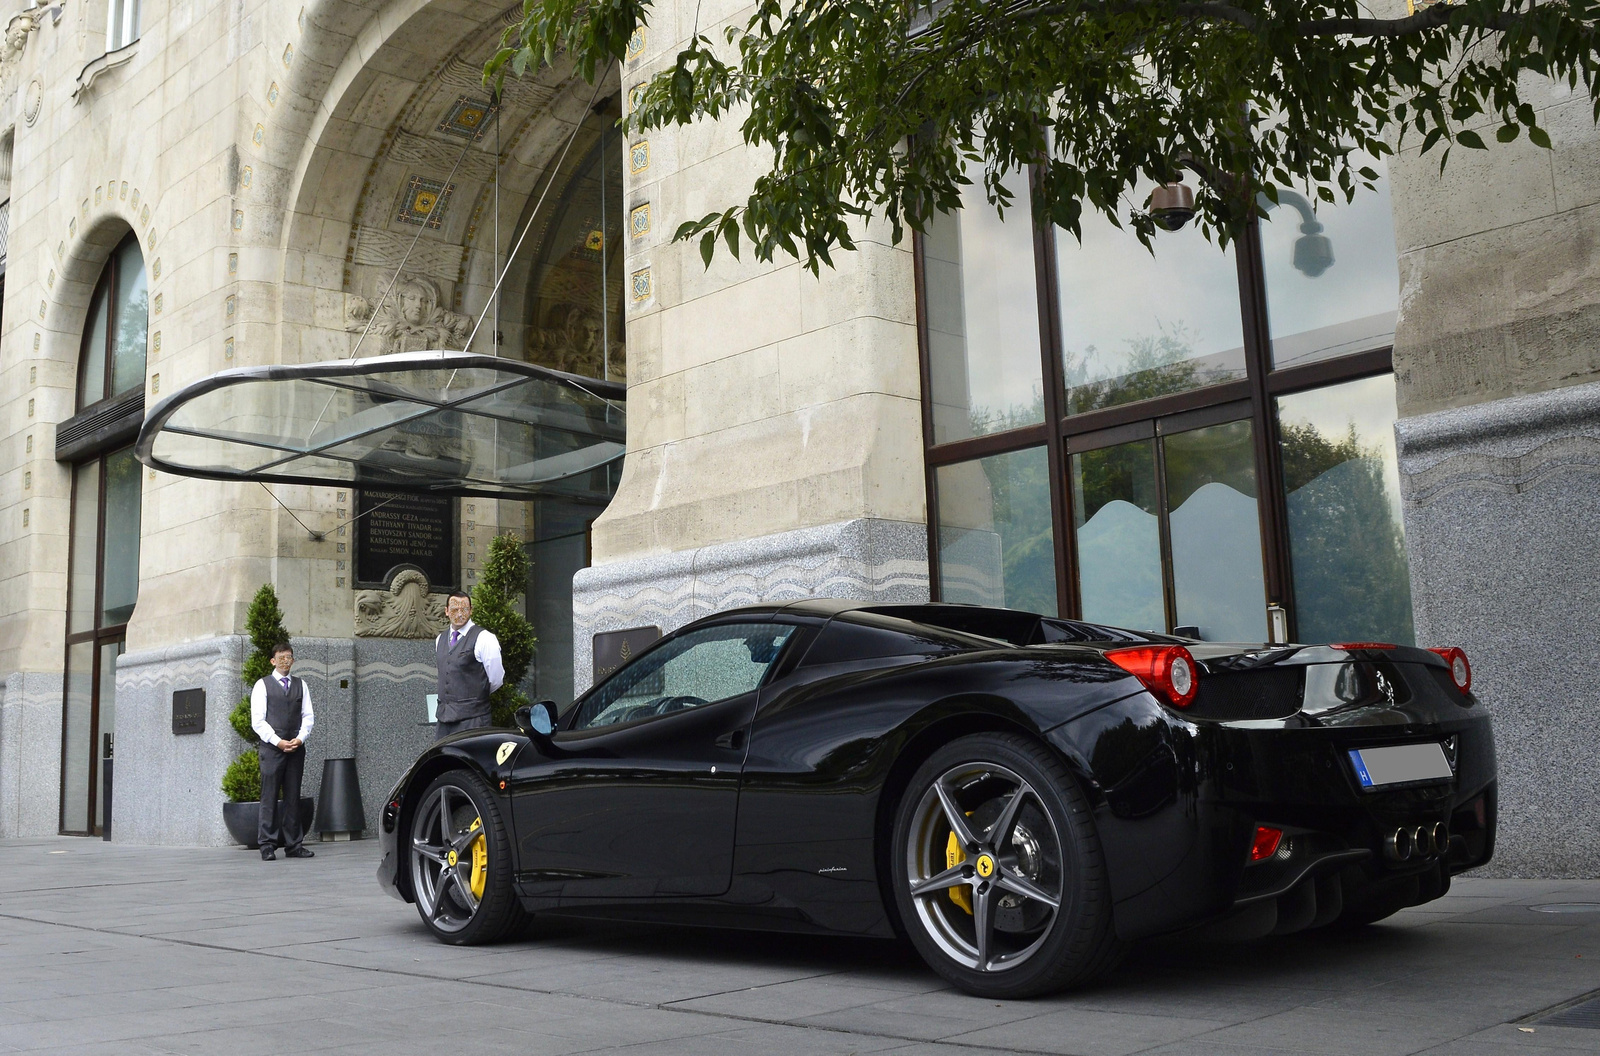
1501,504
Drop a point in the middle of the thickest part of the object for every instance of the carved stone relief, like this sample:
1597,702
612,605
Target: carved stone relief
405,610
11,49
410,319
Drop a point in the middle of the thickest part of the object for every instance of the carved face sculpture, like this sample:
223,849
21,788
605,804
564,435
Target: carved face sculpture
414,303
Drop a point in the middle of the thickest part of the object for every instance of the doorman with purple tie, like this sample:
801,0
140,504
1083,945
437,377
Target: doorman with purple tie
280,713
469,670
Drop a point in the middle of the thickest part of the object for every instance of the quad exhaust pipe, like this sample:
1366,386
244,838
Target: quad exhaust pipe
1410,842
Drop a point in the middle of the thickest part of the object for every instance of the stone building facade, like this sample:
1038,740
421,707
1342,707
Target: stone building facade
907,425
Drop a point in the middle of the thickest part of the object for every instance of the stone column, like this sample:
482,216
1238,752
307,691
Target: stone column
774,422
1497,365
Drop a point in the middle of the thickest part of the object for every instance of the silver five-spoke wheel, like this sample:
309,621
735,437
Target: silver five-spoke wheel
999,879
984,863
460,861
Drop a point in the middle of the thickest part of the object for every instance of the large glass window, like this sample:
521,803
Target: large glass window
982,319
1346,539
1135,325
996,543
115,333
1222,421
1116,507
1332,277
103,559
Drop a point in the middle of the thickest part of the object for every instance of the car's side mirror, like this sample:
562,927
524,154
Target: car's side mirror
537,720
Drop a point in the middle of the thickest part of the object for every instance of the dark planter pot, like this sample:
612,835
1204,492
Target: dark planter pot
244,819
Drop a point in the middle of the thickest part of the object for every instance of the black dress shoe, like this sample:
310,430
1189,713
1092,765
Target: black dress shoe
268,854
299,852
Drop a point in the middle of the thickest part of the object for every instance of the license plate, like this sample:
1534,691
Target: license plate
1400,764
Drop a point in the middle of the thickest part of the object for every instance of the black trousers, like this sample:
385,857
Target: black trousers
280,818
445,729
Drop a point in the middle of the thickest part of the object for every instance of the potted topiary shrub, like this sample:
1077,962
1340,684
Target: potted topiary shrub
241,782
505,577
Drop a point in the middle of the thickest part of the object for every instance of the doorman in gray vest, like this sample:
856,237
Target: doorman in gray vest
469,670
280,713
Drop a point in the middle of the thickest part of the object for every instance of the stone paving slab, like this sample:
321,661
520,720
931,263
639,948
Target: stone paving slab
108,948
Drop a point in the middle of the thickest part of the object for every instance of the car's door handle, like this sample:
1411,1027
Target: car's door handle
734,740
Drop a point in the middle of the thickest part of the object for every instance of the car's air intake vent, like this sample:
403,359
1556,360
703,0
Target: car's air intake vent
1266,693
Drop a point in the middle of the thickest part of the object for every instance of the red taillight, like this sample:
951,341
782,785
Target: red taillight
1364,645
1168,671
1460,670
1265,845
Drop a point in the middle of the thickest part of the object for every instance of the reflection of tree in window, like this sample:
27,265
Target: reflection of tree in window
1156,365
1347,548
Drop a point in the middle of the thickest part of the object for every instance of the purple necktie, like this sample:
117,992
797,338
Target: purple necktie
285,682
454,635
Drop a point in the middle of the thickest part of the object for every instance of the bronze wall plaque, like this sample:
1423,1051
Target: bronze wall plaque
615,648
188,711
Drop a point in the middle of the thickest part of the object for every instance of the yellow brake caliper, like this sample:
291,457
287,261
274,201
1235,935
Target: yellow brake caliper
961,894
480,859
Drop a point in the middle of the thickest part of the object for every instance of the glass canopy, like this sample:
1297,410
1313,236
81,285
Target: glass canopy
446,423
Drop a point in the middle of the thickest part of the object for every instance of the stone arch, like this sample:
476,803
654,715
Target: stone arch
374,172
83,257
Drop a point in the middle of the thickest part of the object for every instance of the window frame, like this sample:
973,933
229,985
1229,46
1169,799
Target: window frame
106,287
1063,434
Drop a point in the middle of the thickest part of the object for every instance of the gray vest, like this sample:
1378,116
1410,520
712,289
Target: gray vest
463,683
283,709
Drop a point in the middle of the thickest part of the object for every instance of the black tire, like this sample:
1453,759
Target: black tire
444,870
1040,844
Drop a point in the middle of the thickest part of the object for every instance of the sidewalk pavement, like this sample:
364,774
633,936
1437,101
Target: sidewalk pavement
106,948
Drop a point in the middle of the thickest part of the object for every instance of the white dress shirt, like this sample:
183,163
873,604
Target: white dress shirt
258,711
486,651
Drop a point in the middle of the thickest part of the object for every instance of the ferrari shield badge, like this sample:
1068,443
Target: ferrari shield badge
506,748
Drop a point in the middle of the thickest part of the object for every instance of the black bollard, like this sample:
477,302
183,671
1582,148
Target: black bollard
339,813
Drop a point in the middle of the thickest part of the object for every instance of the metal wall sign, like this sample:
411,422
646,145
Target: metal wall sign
615,648
396,529
188,711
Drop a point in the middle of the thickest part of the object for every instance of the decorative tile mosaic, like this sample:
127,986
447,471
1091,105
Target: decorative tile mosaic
231,304
636,95
467,118
35,348
155,344
639,220
124,193
288,54
133,203
50,280
238,219
260,135
41,308
639,157
636,44
424,202
144,215
596,241
272,94
233,263
640,283
97,195
247,176
155,268
150,238
227,349
158,303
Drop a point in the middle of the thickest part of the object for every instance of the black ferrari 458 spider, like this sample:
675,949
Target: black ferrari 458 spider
1018,795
